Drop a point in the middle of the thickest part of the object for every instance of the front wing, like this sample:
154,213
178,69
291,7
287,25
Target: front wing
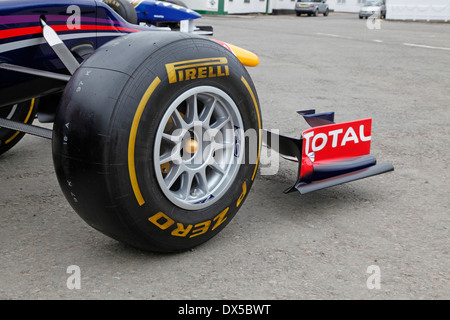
328,153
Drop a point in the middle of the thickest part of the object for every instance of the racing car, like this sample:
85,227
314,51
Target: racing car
156,134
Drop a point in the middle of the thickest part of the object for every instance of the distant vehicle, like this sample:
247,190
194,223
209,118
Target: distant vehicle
373,8
311,7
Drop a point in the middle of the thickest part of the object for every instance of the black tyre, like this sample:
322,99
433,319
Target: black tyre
149,150
125,9
24,112
326,13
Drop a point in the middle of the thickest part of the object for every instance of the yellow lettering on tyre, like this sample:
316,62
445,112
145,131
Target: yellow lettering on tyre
197,69
163,222
220,218
201,228
244,192
180,231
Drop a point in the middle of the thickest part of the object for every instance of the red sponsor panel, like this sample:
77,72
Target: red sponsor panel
224,44
337,141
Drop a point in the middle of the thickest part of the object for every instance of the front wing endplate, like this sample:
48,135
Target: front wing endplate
328,153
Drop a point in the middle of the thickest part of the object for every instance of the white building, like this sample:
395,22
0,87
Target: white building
263,6
345,5
239,6
429,10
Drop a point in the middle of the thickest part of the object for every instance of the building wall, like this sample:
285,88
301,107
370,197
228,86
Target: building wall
245,6
262,6
429,10
280,5
239,6
345,5
211,6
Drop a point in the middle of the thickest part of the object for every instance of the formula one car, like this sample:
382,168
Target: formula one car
157,134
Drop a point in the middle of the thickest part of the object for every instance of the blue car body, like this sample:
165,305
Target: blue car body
78,23
154,12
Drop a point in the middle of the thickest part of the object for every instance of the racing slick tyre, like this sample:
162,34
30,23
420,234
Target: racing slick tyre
125,9
24,112
151,150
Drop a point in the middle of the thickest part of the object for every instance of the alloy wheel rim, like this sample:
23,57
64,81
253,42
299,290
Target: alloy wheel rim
198,147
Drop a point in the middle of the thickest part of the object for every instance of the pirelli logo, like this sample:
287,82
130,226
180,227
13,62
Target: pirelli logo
197,69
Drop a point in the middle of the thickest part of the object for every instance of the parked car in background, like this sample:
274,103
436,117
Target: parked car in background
311,7
373,8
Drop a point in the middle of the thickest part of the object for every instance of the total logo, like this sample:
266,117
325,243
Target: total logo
338,140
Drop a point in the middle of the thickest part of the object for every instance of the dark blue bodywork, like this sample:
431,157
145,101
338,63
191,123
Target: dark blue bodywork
154,12
78,23
21,41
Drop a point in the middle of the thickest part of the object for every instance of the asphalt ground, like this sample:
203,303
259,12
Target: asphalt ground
385,237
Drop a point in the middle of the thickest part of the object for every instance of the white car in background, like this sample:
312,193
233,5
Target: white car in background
311,7
373,8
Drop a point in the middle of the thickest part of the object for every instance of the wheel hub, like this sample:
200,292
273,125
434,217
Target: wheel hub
191,146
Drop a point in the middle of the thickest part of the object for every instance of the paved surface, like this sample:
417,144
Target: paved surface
317,246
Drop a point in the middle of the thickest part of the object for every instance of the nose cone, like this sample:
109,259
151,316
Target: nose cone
247,58
174,12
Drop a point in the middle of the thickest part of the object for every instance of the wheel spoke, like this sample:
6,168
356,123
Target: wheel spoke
13,110
172,138
173,176
166,157
220,123
207,112
192,108
186,184
178,120
202,181
170,156
224,145
217,168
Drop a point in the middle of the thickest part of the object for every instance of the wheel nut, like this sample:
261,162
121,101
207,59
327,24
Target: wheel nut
191,146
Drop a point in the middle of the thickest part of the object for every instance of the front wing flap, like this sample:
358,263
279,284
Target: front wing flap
328,153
